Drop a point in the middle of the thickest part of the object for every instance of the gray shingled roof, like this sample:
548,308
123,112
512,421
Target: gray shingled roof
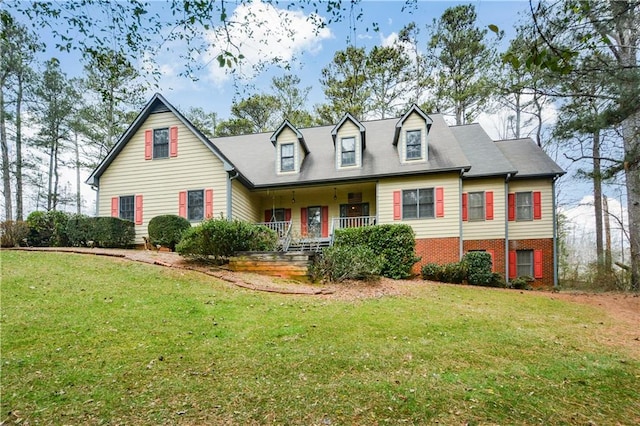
485,157
255,156
528,158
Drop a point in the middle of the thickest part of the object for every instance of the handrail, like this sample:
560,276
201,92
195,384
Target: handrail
283,229
352,222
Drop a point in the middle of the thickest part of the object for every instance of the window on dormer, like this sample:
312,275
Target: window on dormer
287,163
348,153
414,144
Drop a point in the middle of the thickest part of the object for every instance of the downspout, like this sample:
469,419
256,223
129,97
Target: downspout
230,192
506,227
97,189
461,239
555,232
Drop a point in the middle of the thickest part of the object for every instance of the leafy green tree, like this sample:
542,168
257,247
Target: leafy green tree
388,77
259,110
408,36
344,82
292,100
234,127
18,47
575,29
206,122
462,60
55,98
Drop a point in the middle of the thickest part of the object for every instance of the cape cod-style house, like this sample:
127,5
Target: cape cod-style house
459,190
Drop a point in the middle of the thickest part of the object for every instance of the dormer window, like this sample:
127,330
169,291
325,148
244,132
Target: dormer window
414,145
348,153
287,163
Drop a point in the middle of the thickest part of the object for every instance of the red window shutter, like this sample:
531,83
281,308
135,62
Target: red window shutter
397,206
488,199
267,215
440,202
138,209
173,141
303,221
287,215
537,205
493,260
208,203
325,221
512,206
512,264
148,144
182,204
465,206
537,264
115,212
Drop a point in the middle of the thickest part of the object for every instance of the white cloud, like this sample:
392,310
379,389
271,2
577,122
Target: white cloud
264,35
390,40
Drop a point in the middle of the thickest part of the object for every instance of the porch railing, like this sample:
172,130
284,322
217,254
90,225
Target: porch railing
352,222
283,229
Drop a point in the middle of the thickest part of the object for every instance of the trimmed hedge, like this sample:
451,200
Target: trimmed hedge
47,229
167,230
478,266
221,238
396,243
339,263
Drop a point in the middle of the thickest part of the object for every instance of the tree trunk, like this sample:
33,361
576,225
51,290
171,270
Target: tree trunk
78,192
6,168
597,200
50,178
608,261
631,137
19,94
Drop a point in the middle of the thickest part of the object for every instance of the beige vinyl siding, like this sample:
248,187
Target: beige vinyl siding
413,122
540,228
244,207
347,130
159,181
486,229
447,226
284,137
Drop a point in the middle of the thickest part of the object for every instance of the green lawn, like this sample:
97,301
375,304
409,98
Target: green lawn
92,340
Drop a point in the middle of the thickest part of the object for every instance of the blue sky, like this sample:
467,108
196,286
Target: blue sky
309,54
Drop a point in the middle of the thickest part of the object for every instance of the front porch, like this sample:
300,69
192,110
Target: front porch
306,218
314,240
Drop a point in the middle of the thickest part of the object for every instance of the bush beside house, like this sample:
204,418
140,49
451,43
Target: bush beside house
475,269
167,230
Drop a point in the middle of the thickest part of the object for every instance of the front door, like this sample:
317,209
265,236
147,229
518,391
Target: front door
314,222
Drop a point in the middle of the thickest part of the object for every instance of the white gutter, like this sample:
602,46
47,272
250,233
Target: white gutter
506,227
230,192
555,232
461,239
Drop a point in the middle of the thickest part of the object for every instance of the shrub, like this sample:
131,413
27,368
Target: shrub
79,230
47,229
521,283
339,263
112,232
453,273
395,242
221,238
167,230
13,233
478,268
431,271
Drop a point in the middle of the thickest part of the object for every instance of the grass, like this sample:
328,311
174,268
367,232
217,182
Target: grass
90,340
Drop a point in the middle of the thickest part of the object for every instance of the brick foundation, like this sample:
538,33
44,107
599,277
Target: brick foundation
546,245
436,250
498,251
446,250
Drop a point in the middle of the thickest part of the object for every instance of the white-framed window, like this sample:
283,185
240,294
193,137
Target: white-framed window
287,163
161,143
476,206
348,151
413,147
127,208
524,263
524,206
418,203
195,205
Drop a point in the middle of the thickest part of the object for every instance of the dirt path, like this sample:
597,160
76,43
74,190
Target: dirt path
622,309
